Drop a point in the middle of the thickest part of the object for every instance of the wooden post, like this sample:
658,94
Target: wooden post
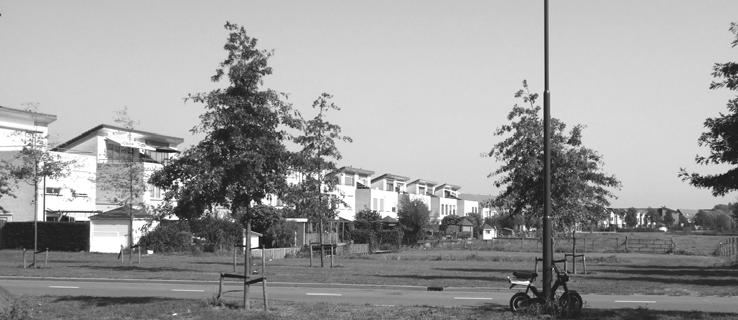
263,262
626,244
310,245
139,254
264,289
332,254
247,266
24,259
584,262
121,254
322,249
46,259
617,241
235,252
220,287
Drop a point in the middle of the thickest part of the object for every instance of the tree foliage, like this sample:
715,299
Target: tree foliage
313,163
414,217
579,188
242,157
631,217
721,135
34,162
654,217
368,220
449,220
713,220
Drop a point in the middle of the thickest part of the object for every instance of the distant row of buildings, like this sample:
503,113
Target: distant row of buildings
82,194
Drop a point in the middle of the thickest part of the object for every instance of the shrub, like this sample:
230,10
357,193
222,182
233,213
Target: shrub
170,237
217,233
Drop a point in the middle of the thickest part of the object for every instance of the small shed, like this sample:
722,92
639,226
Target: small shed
109,230
389,222
488,232
466,226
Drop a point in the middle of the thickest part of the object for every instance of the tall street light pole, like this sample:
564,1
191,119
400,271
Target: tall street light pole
547,241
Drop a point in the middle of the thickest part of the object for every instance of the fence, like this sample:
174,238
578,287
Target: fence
281,253
729,247
275,253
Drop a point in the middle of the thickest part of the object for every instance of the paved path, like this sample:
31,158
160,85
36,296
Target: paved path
352,294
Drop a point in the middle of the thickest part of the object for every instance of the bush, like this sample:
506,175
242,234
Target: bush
170,237
57,236
217,233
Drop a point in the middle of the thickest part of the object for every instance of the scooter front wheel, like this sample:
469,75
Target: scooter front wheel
519,301
572,301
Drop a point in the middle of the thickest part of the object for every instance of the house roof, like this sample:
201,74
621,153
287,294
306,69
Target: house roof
121,213
450,186
486,227
476,197
465,222
106,127
423,181
390,176
389,219
12,113
688,213
351,169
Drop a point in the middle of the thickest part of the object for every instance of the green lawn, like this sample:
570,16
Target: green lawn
607,273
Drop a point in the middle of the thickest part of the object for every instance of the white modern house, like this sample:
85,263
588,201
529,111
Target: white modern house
111,146
17,127
384,193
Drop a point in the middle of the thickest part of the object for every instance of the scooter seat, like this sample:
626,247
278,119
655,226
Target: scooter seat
525,274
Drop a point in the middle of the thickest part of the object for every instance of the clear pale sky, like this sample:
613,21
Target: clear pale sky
422,84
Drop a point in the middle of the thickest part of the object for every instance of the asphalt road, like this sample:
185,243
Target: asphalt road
352,294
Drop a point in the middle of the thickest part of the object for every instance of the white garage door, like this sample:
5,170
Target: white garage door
108,235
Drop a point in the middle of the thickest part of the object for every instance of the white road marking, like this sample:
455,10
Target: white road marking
185,290
324,294
631,301
471,298
63,287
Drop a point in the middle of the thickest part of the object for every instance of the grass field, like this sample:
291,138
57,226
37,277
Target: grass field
607,273
95,308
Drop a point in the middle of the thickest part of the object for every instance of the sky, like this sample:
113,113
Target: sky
422,85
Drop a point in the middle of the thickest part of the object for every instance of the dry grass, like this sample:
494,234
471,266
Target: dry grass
88,308
607,273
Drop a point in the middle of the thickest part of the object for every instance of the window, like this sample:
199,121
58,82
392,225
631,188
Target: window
421,190
374,204
381,204
154,192
116,152
159,157
390,186
53,191
348,180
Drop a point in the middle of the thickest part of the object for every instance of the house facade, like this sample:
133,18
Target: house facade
17,128
110,148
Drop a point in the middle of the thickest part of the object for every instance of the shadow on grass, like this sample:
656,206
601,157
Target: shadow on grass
138,268
438,277
674,271
109,301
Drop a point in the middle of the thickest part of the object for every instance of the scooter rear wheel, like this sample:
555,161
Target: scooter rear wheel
519,301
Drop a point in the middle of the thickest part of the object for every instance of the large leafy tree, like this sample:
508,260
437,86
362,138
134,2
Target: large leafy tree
579,188
414,217
242,158
722,134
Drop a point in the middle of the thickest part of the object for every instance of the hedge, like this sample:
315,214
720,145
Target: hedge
57,236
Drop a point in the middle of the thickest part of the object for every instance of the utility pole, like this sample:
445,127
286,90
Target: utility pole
547,241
